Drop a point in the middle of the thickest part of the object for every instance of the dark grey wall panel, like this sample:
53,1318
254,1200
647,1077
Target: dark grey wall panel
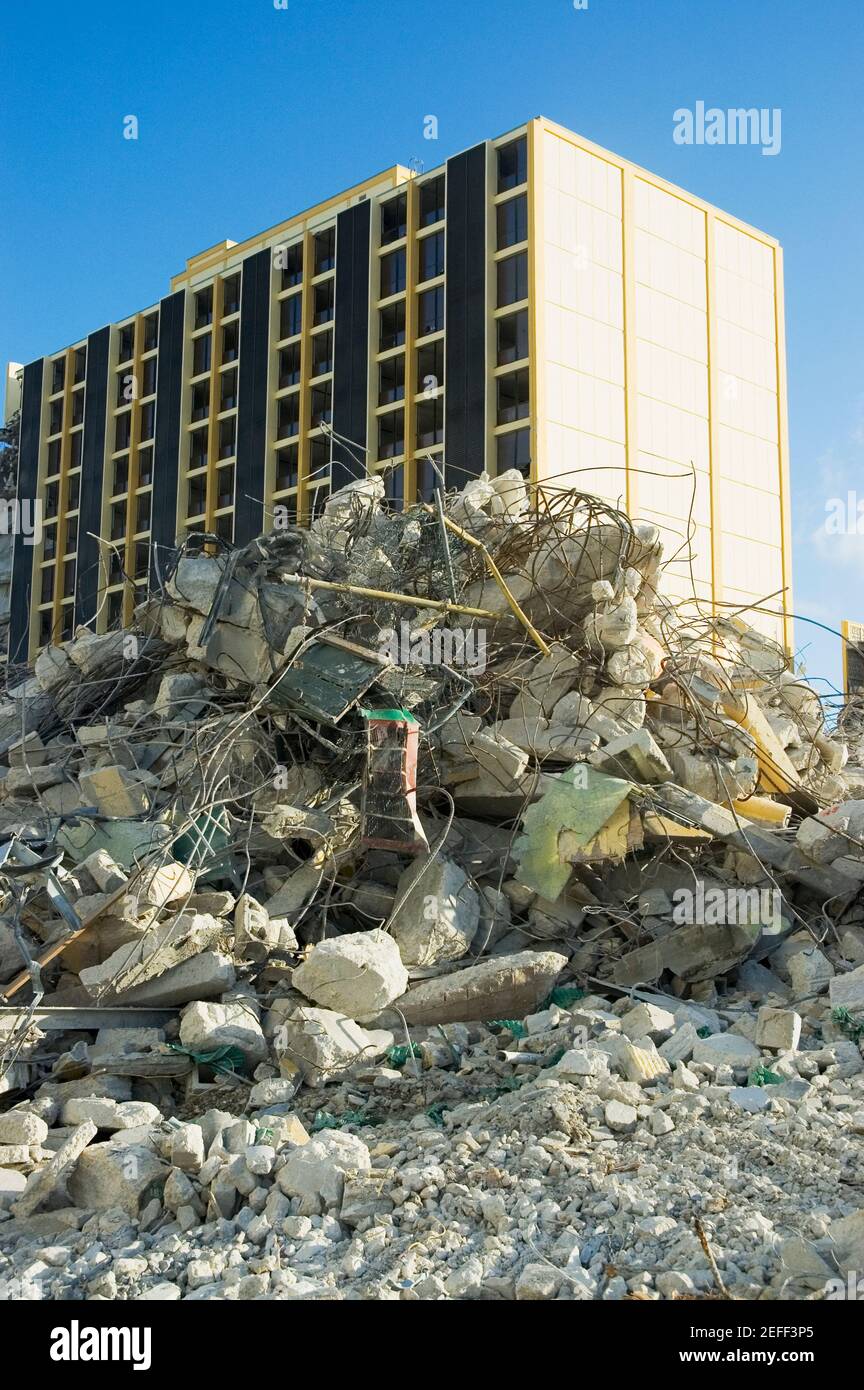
28,477
252,403
90,571
351,339
465,308
166,450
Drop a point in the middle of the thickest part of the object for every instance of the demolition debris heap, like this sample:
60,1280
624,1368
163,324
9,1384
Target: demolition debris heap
448,803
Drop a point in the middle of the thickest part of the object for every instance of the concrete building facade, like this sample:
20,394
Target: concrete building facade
535,302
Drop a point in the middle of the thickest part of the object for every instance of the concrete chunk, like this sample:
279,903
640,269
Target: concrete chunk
505,987
358,974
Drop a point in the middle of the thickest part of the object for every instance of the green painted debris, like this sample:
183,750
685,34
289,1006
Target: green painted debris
852,1027
581,802
762,1076
509,1025
398,1055
563,996
228,1059
703,1032
325,1119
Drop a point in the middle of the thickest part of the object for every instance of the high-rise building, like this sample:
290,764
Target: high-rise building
535,302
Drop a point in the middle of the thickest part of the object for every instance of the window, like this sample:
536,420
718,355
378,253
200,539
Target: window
115,609
196,495
151,332
231,295
230,342
145,466
394,219
47,587
322,352
142,559
67,622
324,250
126,343
513,337
427,480
122,431
289,365
227,432
431,256
204,307
118,521
78,407
200,400
225,487
288,416
392,273
432,201
71,535
513,396
76,442
58,375
430,423
318,499
148,382
394,487
224,527
391,380
319,458
49,543
73,491
121,475
287,513
391,332
430,311
512,221
512,164
290,316
198,447
125,387
514,451
69,579
52,499
53,465
79,366
142,515
55,417
201,354
391,434
430,366
322,303
148,420
289,259
228,390
45,625
513,279
322,404
287,467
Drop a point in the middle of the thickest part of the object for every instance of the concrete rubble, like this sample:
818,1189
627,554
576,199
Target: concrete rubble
423,906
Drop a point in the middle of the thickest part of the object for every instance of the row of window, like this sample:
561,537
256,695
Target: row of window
226,441
430,264
55,413
79,370
120,474
394,212
149,330
227,395
323,309
289,359
49,539
204,301
202,348
196,491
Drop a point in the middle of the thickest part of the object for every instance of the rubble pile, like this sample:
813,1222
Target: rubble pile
396,884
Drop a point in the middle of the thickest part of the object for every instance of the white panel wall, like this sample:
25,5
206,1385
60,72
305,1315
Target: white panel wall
586,290
748,458
582,320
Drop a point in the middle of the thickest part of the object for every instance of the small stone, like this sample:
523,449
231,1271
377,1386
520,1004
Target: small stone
778,1029
753,1099
811,973
620,1118
537,1282
726,1049
660,1123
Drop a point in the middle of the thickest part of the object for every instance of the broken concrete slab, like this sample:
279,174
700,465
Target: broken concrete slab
358,974
507,987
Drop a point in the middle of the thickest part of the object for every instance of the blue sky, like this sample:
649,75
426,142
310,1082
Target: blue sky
248,113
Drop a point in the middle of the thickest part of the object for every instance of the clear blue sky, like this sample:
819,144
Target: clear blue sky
249,113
